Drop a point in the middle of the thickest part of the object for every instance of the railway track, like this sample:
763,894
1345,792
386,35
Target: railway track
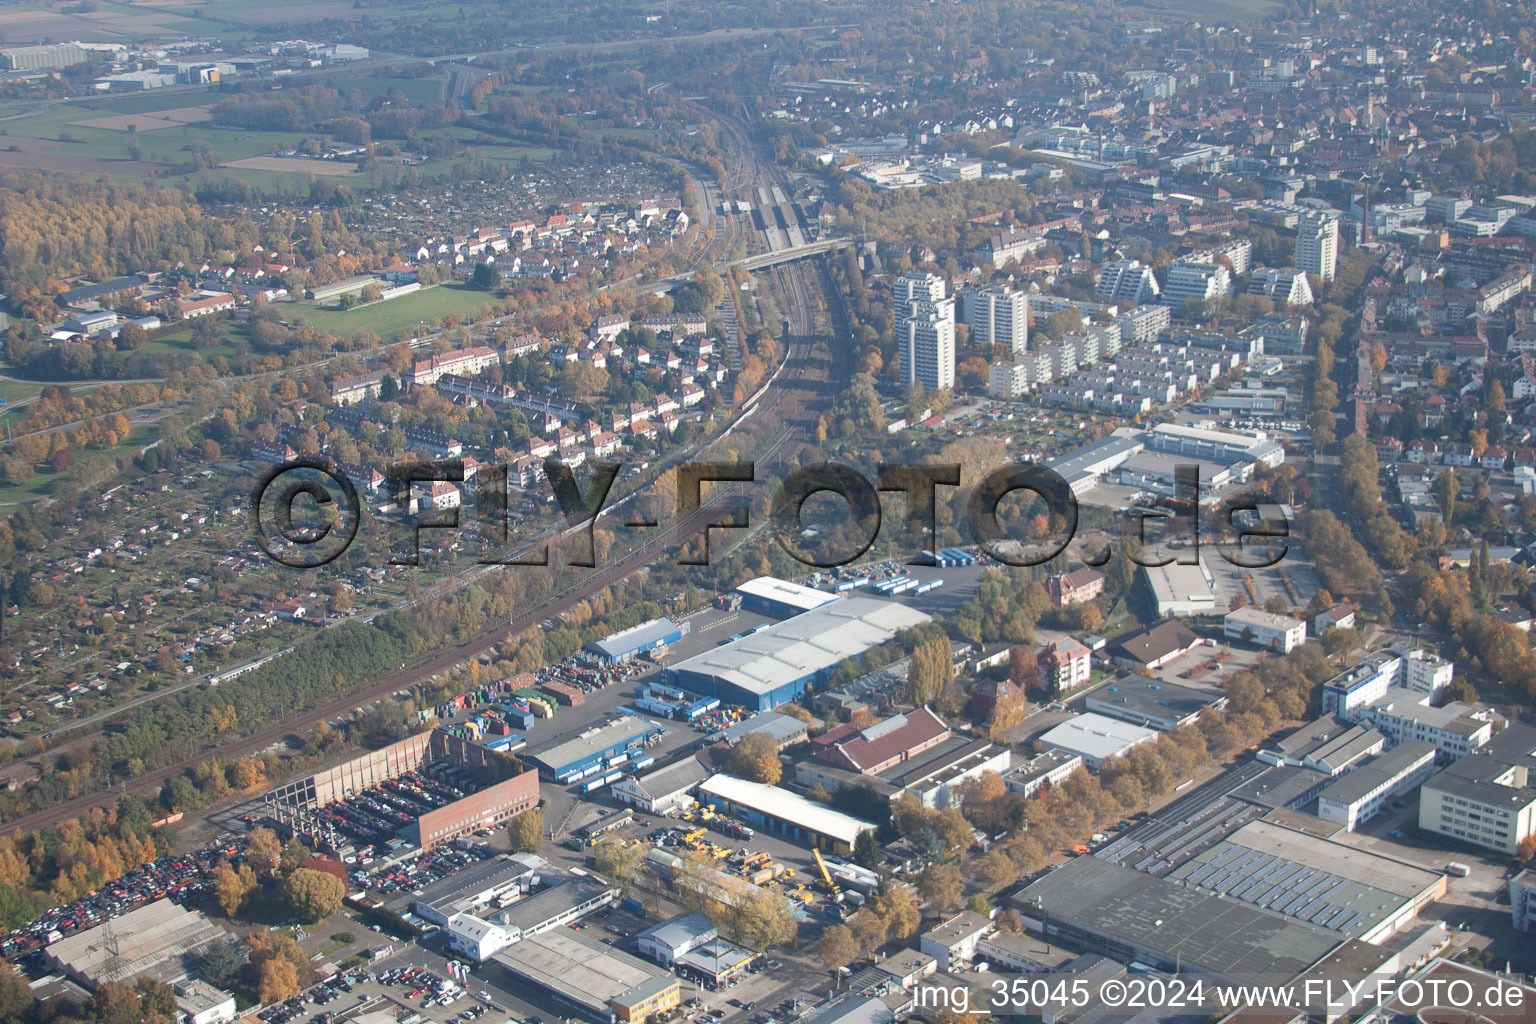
799,396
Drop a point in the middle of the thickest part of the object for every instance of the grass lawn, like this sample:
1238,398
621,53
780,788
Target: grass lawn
417,90
386,317
41,483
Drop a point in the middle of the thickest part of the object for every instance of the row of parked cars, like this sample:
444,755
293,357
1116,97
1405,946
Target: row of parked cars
423,870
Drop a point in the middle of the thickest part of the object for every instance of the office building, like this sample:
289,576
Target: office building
927,341
1266,629
1048,768
1487,798
1454,729
1317,245
1355,797
998,316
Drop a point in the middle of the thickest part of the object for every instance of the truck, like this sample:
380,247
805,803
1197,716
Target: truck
1456,869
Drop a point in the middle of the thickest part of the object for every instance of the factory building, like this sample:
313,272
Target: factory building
664,790
781,599
506,789
637,640
160,940
784,813
778,664
598,982
607,745
1096,738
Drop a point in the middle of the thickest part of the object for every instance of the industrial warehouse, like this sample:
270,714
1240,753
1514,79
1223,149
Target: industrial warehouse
599,982
778,663
590,752
786,813
160,940
425,790
656,635
781,599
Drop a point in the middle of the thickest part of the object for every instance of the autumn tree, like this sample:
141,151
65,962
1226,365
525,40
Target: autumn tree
233,886
837,947
942,887
756,757
618,861
263,851
526,831
897,909
931,672
313,895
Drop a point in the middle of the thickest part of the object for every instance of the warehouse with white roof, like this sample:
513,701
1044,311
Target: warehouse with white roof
769,595
787,814
1097,738
777,664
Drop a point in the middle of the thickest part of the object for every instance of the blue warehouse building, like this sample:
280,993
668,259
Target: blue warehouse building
637,640
779,663
781,599
594,750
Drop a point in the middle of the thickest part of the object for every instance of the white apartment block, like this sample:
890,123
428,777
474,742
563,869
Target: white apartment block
1007,380
927,340
1277,632
998,316
1522,901
1357,796
1317,245
1130,280
1201,281
914,288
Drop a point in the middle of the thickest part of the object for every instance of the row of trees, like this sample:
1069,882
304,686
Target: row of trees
56,865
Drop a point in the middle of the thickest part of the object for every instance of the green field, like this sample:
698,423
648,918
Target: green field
384,318
41,483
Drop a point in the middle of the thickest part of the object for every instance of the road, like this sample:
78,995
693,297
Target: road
799,393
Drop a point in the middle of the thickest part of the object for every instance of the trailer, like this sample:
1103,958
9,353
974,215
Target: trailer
642,764
923,588
593,785
856,583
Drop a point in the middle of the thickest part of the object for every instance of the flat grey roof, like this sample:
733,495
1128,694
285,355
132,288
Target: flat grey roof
613,732
1186,923
1149,698
1084,459
674,778
779,726
464,885
532,911
586,973
1377,772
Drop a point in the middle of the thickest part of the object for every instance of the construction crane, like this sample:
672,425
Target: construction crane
826,876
